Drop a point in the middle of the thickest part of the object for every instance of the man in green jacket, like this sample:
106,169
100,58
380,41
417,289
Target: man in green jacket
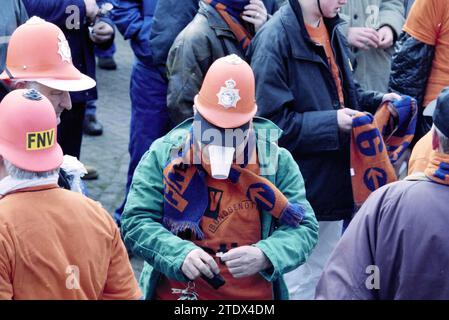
216,209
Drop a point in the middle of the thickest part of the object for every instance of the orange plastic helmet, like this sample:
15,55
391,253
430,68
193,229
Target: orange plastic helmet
227,97
28,131
38,51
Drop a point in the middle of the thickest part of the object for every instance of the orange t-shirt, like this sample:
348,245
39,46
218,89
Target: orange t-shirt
321,37
231,221
58,244
428,22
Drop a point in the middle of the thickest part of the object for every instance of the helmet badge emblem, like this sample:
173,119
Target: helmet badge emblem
64,49
229,96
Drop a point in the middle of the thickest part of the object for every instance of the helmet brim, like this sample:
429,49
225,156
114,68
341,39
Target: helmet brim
222,118
85,83
73,85
34,161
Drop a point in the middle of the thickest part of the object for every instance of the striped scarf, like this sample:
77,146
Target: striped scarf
186,193
438,168
230,11
377,143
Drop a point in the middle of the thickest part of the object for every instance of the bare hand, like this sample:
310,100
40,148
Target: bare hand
198,262
92,9
344,119
245,261
101,32
363,38
255,13
386,37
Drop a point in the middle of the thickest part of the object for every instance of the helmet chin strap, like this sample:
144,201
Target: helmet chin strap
319,7
11,77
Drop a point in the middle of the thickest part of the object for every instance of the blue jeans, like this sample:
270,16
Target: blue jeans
149,117
91,108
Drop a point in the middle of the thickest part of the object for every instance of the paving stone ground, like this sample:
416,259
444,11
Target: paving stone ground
109,153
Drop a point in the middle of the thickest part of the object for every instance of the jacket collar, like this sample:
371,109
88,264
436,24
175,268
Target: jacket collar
214,20
267,136
30,189
264,128
293,22
10,184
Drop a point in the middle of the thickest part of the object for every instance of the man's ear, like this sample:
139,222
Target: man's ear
435,140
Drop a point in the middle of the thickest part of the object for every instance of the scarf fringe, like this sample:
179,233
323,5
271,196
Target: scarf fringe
293,215
177,227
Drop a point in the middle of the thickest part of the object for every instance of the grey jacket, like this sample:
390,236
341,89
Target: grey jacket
397,247
13,14
373,66
204,40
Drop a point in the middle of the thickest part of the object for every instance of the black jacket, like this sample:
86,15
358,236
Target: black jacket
410,71
4,90
296,90
64,180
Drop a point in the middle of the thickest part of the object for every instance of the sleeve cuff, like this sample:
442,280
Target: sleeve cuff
177,265
271,274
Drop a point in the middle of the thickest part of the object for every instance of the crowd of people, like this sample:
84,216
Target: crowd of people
294,149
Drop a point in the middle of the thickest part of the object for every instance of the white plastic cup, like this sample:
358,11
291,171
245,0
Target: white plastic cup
220,161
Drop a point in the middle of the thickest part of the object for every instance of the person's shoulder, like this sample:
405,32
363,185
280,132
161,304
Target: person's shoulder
198,30
91,208
408,186
395,190
405,193
71,197
273,37
274,27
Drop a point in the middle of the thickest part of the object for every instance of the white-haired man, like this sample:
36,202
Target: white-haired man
39,57
56,244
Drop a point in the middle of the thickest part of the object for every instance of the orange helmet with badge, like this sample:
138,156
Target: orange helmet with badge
28,131
227,98
38,51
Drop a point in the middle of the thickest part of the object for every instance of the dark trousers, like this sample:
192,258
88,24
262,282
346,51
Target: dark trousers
149,117
70,130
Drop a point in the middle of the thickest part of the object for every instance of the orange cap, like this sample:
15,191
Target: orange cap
227,96
28,131
38,51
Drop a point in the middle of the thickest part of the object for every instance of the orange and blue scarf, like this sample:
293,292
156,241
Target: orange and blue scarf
438,168
230,11
377,143
186,193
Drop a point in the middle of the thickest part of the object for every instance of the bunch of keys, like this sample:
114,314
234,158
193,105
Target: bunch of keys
188,293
